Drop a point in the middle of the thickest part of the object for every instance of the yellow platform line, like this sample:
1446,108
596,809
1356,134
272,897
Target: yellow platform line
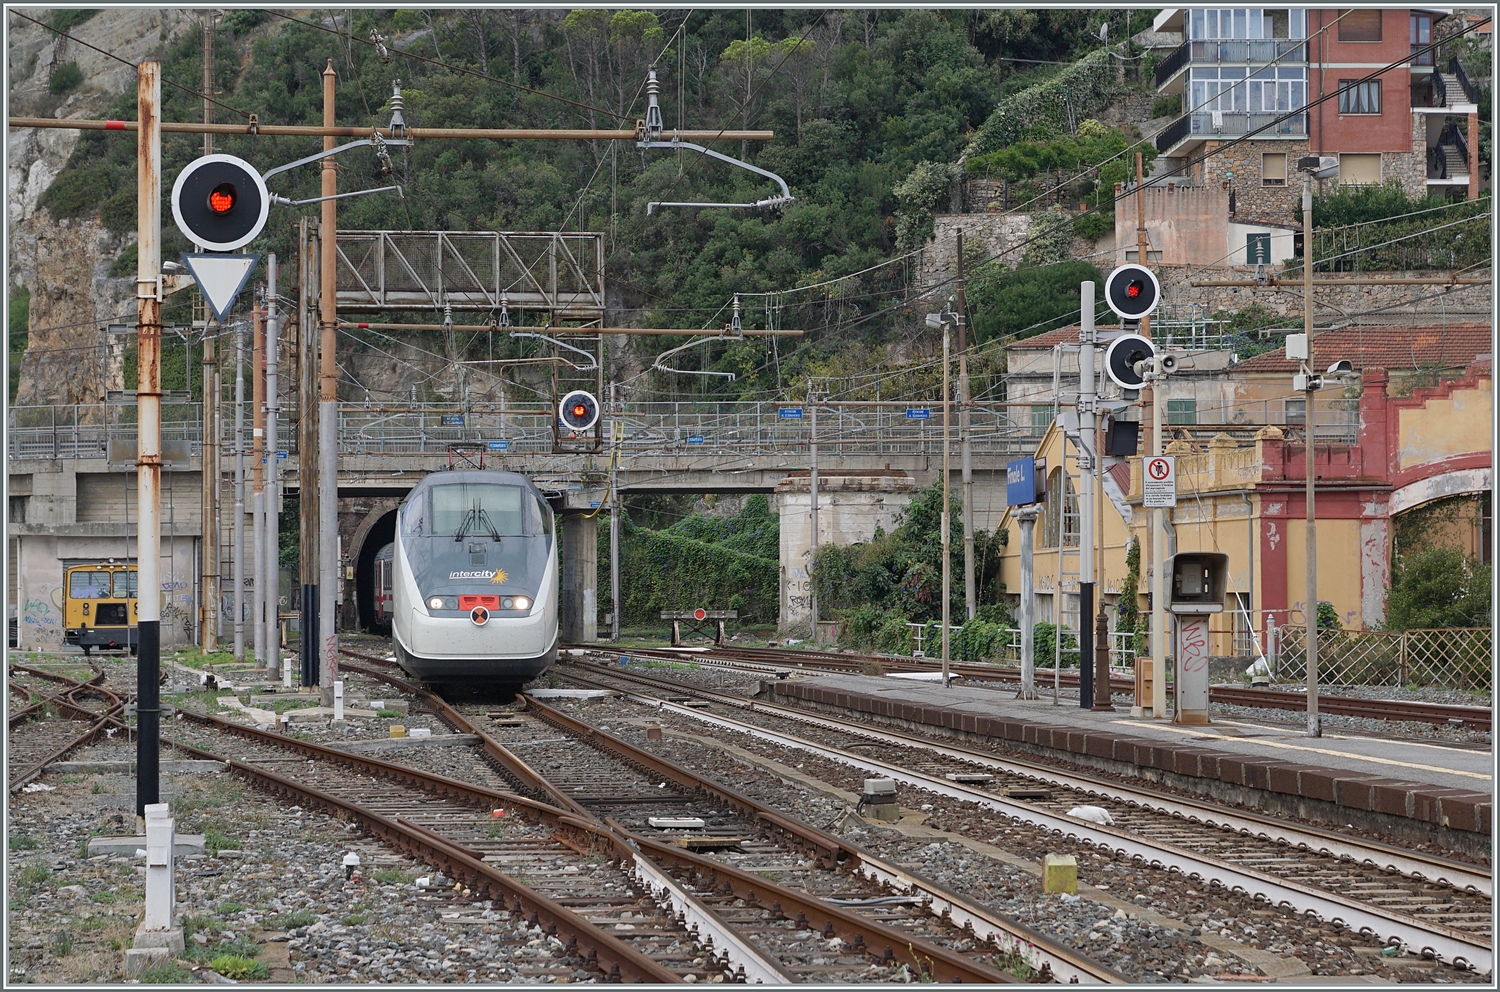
1198,732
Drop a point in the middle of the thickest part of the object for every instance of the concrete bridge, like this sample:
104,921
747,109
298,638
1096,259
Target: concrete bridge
72,483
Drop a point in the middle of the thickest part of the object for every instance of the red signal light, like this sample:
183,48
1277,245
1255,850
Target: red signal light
222,199
579,410
1133,290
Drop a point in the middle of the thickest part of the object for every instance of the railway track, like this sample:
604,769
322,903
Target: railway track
854,918
73,713
769,659
1431,905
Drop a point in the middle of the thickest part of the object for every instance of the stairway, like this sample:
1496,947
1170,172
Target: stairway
1458,166
1453,88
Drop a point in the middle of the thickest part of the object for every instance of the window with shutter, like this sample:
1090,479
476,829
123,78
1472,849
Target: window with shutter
1360,25
1273,169
1359,170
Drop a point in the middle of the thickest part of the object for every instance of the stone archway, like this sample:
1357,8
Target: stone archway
376,529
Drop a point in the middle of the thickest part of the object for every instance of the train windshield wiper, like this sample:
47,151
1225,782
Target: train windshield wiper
476,516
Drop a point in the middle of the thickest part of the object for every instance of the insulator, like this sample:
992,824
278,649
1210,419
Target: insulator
504,320
653,108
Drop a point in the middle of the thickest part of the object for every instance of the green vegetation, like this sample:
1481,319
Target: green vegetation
1370,228
718,562
389,876
240,968
65,20
1027,302
62,943
17,333
227,908
64,79
877,587
1438,586
171,973
296,918
23,842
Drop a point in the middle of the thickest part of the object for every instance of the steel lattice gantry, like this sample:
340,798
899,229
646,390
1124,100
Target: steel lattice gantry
561,274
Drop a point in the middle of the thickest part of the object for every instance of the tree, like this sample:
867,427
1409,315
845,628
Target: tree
1031,301
1438,586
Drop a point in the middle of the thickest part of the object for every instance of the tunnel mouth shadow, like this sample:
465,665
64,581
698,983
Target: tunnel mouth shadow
381,534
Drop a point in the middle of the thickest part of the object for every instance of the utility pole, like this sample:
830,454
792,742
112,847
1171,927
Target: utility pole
812,589
148,446
271,556
1087,402
328,411
943,520
257,483
306,354
1314,721
1026,516
614,516
1158,515
971,598
208,583
239,492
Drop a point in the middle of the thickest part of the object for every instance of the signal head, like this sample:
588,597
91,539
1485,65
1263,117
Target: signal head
1128,358
1132,291
220,202
578,411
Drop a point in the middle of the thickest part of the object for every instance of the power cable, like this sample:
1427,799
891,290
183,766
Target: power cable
133,65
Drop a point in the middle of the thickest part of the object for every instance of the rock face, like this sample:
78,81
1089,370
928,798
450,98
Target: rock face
65,264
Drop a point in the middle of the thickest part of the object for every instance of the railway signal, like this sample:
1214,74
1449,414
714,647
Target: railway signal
220,202
578,411
1132,291
1128,354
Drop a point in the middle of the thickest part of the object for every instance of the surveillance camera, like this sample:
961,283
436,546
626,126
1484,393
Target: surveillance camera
1341,367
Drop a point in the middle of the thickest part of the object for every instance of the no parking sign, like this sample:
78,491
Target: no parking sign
1159,481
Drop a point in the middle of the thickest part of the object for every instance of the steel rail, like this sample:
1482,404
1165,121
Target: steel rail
1475,717
1041,952
98,722
1414,864
1428,937
608,952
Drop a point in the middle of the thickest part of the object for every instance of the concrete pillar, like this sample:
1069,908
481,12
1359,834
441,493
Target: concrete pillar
1474,155
578,611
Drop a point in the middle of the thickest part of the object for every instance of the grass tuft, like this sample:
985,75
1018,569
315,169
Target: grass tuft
240,968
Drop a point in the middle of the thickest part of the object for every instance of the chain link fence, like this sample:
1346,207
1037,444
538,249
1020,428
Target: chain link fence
1442,658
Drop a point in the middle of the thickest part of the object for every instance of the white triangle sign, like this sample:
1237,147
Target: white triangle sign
220,278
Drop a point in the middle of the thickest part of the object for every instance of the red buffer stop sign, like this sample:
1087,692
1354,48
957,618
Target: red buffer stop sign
700,613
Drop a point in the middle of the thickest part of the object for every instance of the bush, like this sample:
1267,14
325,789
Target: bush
240,968
1026,302
1167,106
65,79
1438,587
1087,86
1092,227
1044,641
65,20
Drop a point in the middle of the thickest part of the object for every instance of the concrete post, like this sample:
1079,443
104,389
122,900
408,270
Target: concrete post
239,494
812,558
1026,517
578,611
159,889
258,485
271,556
328,454
1087,402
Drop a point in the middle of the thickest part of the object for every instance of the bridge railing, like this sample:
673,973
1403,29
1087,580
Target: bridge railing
86,431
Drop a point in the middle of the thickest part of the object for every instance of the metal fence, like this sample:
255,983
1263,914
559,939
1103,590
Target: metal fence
1445,658
649,428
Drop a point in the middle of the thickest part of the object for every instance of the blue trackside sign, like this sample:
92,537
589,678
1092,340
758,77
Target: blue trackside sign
790,413
453,420
1020,482
918,413
695,439
499,445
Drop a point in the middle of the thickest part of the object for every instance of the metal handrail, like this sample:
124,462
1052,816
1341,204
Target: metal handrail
1471,94
1439,89
1173,133
1172,63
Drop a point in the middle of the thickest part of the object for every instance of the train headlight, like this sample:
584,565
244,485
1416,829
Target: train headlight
436,602
443,603
522,603
508,603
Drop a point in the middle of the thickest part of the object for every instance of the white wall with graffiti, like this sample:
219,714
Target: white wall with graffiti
39,588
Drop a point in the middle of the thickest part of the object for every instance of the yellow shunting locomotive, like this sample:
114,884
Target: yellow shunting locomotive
99,606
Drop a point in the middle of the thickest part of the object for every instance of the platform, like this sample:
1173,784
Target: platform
1336,778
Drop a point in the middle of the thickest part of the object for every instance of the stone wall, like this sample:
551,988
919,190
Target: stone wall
992,233
1336,304
1254,201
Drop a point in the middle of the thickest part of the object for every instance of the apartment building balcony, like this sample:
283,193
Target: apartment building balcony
1172,72
1446,89
1191,129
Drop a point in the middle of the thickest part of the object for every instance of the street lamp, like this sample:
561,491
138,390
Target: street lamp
1312,167
945,320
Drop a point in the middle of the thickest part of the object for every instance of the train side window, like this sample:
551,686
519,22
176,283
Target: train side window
89,585
127,585
412,518
541,517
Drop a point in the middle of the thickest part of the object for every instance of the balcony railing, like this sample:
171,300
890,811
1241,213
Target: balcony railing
1173,133
1423,59
1248,50
1171,64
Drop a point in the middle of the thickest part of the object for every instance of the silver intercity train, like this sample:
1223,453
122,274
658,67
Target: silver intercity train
474,580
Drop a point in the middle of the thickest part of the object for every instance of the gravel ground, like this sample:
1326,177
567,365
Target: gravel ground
271,889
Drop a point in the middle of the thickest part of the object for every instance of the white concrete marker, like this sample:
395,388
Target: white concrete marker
160,890
338,701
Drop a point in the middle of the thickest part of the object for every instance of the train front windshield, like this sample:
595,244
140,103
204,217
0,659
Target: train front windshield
476,510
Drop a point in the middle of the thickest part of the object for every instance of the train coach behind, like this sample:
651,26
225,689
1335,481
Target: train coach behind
474,580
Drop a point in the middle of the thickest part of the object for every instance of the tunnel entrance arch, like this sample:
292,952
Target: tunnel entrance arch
381,533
